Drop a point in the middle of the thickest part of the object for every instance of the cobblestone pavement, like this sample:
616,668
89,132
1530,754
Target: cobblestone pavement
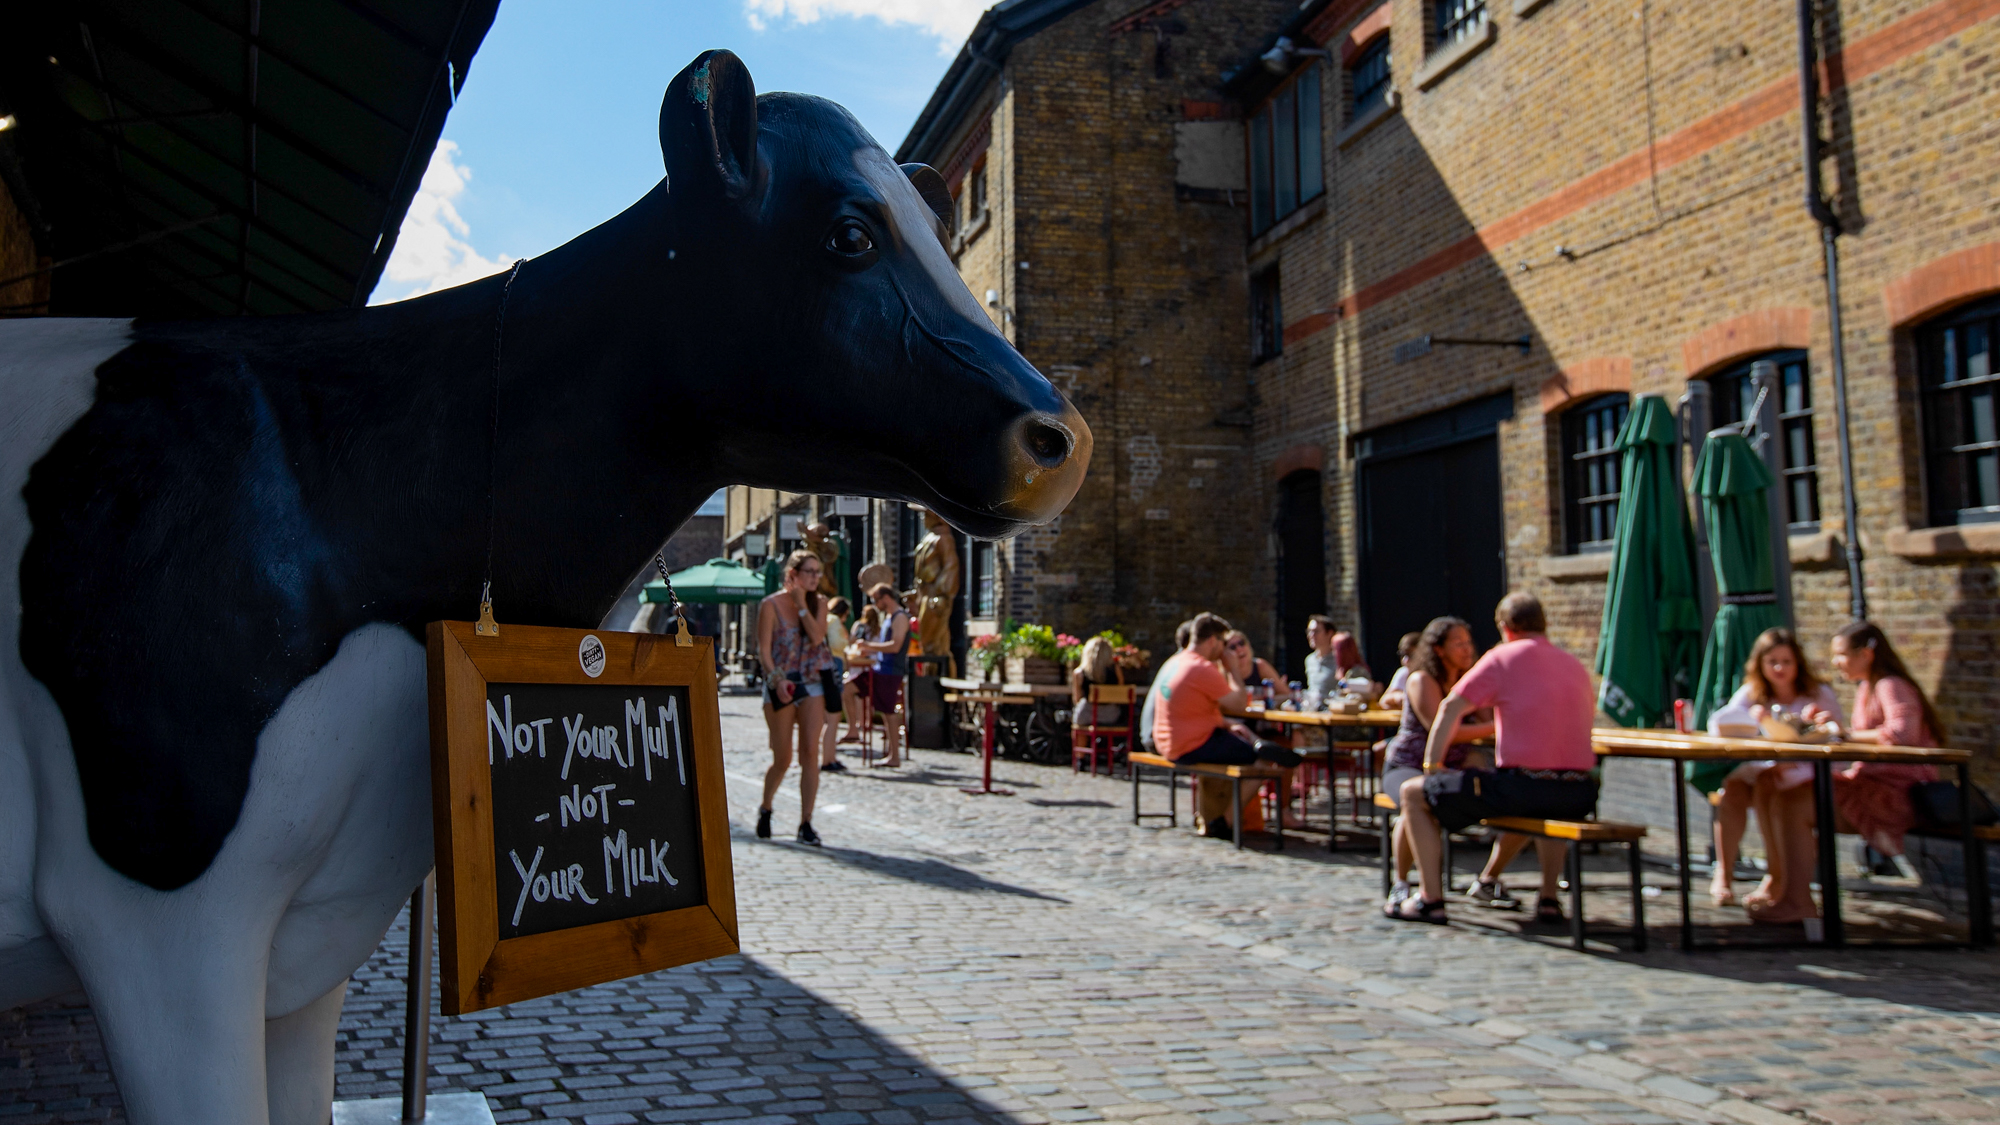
1036,958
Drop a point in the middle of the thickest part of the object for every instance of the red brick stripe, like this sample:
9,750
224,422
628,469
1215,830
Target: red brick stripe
1862,58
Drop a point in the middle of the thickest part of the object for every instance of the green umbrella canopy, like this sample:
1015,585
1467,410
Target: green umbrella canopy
1734,485
1651,635
715,582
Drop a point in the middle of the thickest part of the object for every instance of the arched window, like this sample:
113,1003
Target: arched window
1590,476
1958,375
1735,396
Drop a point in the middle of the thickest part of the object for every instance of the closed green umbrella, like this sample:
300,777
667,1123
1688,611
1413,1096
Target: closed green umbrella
715,582
1651,635
1734,485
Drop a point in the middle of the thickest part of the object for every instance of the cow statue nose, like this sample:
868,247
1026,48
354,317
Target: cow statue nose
1047,455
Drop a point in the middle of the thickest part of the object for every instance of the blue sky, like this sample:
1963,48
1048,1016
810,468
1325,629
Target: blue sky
557,127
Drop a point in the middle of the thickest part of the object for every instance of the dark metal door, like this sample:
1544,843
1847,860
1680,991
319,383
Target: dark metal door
1431,544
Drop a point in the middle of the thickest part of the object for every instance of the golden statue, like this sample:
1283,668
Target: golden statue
936,569
820,541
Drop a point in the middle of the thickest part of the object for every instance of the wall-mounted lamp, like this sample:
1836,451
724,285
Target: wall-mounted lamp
6,123
1284,55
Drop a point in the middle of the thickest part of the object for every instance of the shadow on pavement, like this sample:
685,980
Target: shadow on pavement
930,872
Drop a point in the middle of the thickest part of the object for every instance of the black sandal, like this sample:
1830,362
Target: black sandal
1427,911
1549,912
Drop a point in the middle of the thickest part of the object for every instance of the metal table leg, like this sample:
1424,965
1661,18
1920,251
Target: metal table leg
1236,810
1681,842
1978,900
1638,898
1829,864
1575,865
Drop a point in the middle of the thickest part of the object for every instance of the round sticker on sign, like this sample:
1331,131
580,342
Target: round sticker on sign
590,654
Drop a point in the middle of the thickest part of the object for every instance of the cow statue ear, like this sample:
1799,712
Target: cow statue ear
708,127
932,187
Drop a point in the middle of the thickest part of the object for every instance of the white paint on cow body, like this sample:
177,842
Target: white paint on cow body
48,379
199,990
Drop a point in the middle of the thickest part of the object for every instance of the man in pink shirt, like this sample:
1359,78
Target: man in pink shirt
1188,725
1542,709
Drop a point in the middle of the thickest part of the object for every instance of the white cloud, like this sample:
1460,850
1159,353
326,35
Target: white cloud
434,250
949,20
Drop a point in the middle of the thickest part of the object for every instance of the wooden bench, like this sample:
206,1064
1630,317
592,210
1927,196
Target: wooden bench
1139,761
1574,833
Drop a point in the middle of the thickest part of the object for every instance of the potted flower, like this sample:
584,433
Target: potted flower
988,651
1034,655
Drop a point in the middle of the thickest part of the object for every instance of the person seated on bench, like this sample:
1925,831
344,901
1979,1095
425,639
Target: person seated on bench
1440,657
1394,695
1542,710
1872,799
1189,729
1151,708
1776,679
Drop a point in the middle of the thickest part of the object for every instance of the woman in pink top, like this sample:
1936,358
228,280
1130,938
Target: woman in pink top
1889,708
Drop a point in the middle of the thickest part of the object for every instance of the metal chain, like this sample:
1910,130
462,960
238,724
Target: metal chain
674,604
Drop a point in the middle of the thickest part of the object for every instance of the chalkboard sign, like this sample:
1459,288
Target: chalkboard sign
581,829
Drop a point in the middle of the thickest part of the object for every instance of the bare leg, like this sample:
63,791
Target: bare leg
1786,819
830,740
812,718
1423,835
1505,848
1552,854
1732,813
781,723
892,739
1405,854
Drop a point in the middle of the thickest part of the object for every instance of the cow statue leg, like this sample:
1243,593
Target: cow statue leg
298,1060
191,986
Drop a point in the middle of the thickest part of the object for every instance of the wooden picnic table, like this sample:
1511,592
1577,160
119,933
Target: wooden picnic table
1334,724
1677,747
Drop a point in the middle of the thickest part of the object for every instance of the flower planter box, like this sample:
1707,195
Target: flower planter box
1033,670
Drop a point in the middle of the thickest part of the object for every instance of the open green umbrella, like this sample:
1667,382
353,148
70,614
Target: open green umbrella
715,582
1651,635
1734,485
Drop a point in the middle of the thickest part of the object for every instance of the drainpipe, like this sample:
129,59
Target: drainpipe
1829,232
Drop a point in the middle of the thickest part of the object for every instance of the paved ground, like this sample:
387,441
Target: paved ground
1036,958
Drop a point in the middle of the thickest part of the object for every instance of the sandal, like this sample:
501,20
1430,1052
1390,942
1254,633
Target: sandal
1549,912
1493,894
1426,911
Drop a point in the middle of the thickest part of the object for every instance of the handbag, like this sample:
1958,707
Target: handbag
1936,806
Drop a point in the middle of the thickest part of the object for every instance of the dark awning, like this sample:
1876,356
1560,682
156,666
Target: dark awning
250,156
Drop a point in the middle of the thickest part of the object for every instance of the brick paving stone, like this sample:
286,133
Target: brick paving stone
948,958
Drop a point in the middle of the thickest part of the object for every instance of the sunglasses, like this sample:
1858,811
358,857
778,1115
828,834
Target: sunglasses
1237,645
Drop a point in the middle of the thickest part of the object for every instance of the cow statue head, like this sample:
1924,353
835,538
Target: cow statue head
865,336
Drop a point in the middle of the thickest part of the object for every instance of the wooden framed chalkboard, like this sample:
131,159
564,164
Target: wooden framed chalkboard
582,831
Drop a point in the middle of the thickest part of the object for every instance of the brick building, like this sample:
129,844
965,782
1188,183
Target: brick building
1624,188
1098,171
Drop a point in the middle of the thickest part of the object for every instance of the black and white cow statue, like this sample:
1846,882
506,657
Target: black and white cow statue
229,535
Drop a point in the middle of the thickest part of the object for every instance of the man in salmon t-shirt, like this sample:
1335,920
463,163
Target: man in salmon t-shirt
1193,687
1542,710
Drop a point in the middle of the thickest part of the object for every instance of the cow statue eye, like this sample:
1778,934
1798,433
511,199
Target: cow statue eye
850,240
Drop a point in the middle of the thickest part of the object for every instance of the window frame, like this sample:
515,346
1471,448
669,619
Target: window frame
1936,348
1577,461
1297,106
1792,420
1455,21
1360,103
983,584
1267,320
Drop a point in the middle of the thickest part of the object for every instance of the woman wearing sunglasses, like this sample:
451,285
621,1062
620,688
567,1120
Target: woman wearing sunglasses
791,643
